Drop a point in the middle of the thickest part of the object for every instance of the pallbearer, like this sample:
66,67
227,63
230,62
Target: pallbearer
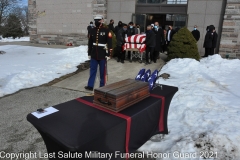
99,51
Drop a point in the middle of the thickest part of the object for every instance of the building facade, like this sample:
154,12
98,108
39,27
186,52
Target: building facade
63,22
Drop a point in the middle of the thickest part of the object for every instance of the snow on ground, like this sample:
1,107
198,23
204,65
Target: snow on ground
204,113
24,66
10,39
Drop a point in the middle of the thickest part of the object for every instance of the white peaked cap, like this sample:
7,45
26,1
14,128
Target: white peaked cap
98,17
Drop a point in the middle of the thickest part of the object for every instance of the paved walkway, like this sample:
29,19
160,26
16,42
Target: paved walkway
116,72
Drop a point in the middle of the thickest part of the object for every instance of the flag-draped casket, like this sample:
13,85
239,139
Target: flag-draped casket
135,42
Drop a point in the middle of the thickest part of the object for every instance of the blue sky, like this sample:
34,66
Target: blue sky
25,2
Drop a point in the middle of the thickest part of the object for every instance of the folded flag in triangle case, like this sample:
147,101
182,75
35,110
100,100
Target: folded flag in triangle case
146,76
152,79
140,74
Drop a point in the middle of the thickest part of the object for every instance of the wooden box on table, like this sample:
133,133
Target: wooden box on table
120,95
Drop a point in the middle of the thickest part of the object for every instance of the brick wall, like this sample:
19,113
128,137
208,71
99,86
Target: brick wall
230,38
62,21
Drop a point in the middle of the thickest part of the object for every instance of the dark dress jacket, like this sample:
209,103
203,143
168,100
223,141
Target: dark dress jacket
98,38
116,29
159,39
150,39
121,37
130,31
196,34
208,40
215,37
171,34
111,27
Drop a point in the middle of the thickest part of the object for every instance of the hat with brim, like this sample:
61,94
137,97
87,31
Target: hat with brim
98,17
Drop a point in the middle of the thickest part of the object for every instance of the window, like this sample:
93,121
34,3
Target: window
163,1
153,1
176,1
141,1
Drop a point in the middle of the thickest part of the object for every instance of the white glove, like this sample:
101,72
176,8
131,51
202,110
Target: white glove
89,57
107,58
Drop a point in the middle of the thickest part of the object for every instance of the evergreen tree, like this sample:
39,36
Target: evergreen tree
13,27
183,45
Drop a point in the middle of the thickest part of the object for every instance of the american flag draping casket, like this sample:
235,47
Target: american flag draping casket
135,42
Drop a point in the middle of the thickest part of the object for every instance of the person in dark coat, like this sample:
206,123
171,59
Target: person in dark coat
159,41
118,27
130,32
110,25
131,29
196,33
99,42
122,33
208,41
150,43
90,27
214,42
170,34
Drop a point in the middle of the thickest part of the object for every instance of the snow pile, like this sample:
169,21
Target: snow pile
23,66
204,113
10,39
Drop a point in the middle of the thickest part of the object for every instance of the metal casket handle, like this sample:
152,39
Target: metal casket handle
104,102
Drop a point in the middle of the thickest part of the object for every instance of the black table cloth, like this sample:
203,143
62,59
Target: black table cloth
81,127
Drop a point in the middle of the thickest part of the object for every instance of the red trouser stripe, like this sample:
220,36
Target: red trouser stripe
105,72
127,118
161,119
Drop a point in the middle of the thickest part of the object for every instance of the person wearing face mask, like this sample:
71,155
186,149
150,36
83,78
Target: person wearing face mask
150,43
196,33
117,28
159,41
110,25
99,50
130,32
122,33
90,27
131,29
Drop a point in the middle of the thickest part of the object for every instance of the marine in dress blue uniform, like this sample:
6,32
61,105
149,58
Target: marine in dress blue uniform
99,50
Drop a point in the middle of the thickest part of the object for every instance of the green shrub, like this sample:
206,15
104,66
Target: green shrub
183,45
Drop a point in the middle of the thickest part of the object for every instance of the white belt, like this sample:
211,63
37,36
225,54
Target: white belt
99,44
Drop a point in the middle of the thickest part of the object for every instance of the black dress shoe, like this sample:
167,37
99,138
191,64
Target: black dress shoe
88,88
122,61
118,60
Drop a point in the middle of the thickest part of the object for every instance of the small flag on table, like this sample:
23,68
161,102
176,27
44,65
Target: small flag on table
152,79
140,74
146,76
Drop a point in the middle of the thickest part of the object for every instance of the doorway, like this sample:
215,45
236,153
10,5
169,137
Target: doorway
164,20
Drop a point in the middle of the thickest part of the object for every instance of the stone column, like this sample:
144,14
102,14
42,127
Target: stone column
230,39
32,16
